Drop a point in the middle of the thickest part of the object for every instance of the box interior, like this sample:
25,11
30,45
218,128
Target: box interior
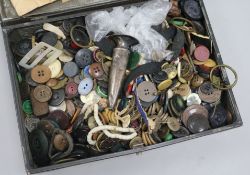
13,34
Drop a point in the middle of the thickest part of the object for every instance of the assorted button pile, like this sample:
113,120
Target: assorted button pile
65,80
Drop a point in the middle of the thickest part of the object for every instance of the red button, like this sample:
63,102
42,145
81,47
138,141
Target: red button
201,53
71,89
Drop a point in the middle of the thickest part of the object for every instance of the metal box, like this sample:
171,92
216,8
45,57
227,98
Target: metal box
10,21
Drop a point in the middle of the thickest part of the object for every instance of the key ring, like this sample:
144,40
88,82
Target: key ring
181,24
226,87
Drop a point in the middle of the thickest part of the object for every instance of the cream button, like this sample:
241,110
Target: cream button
91,98
55,68
193,99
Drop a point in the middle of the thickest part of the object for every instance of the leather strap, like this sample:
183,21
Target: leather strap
148,68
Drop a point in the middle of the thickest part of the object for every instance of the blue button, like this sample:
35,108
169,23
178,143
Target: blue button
85,86
85,72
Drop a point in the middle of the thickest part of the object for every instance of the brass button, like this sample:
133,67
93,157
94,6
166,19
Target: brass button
170,69
60,84
60,142
183,90
40,74
208,93
52,82
173,124
197,81
165,84
42,93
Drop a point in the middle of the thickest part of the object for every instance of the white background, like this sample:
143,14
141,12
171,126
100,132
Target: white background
223,153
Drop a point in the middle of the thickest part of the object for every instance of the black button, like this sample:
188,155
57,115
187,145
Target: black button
67,46
102,83
67,25
199,28
192,10
159,77
178,43
167,33
23,47
218,116
39,147
50,38
106,45
79,36
39,34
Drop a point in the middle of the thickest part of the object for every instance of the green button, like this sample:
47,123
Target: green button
168,137
133,61
27,107
100,92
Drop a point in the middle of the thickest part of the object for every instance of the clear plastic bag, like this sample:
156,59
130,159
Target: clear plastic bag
136,22
98,25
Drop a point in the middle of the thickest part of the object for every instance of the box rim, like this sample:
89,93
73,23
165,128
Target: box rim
23,136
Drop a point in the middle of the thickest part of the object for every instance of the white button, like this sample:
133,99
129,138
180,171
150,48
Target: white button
91,98
61,107
193,99
66,57
55,68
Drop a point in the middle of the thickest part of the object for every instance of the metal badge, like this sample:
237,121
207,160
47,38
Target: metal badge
31,123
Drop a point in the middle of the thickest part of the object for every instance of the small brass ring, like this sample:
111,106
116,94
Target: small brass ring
184,28
227,87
